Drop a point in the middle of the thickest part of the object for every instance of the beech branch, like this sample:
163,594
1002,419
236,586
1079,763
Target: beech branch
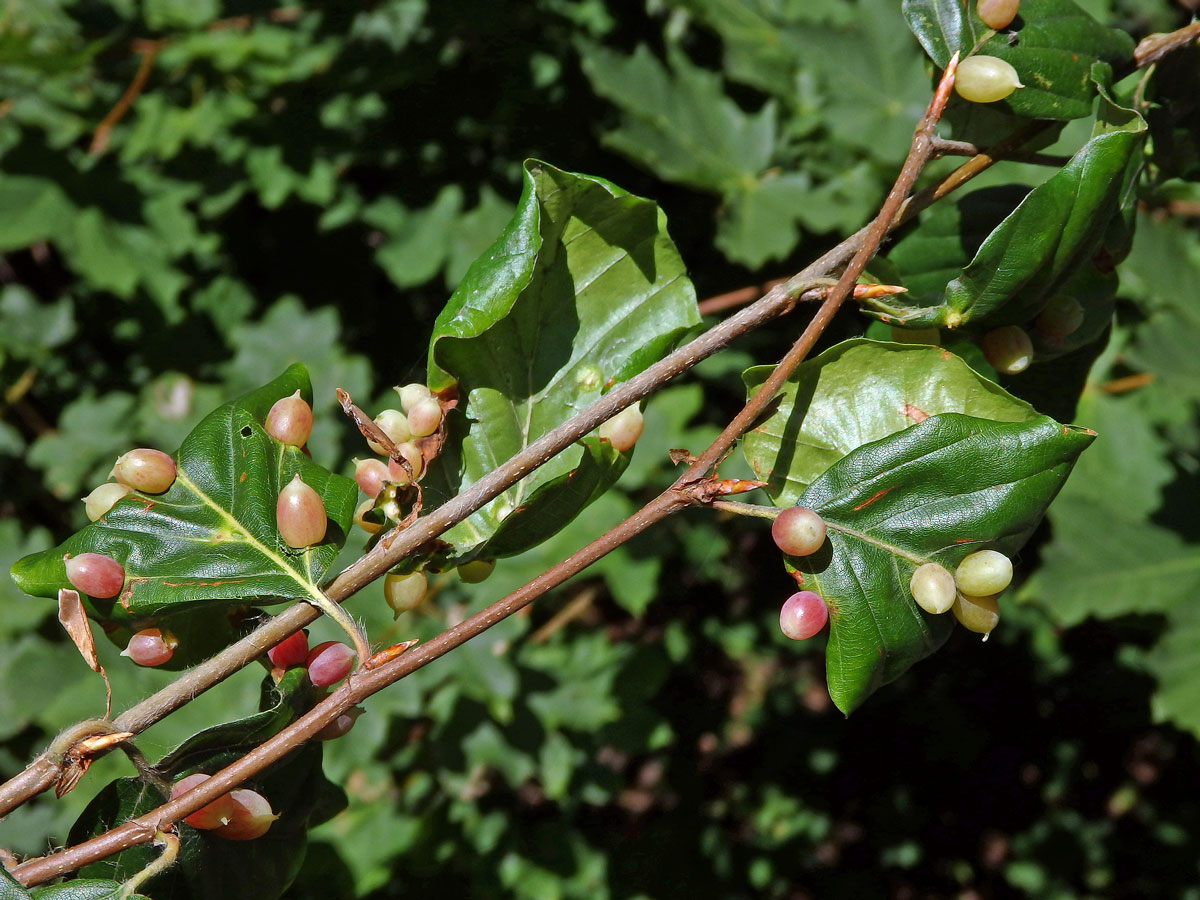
687,489
780,299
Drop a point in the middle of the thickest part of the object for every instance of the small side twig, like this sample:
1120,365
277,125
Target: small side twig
740,297
366,682
149,51
947,147
44,770
576,607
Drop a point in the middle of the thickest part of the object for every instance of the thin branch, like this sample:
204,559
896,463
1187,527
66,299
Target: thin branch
576,607
44,771
946,147
149,51
364,683
1127,383
740,297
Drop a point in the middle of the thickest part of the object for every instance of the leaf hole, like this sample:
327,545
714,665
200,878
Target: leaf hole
247,431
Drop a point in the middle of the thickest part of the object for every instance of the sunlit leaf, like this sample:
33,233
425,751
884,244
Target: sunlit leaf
212,535
888,387
582,290
936,491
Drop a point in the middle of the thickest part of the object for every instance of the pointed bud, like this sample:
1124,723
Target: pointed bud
394,424
104,498
1062,317
803,615
933,588
798,531
1008,349
339,726
983,572
405,592
300,515
476,571
977,614
986,79
290,652
215,815
96,575
412,455
290,420
997,14
364,523
146,470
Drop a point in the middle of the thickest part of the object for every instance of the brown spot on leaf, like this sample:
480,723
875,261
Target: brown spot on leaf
203,583
915,413
875,497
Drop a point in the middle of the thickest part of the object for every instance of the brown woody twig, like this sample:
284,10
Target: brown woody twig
46,769
149,51
366,682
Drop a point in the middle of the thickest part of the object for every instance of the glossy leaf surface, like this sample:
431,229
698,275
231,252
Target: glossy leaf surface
211,536
1030,255
857,392
210,866
83,889
1054,49
936,491
10,888
583,289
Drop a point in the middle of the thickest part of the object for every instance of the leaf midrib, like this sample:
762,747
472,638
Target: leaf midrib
310,589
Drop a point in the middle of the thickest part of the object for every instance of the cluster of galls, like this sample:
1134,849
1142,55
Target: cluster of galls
97,575
970,592
299,513
1009,349
420,416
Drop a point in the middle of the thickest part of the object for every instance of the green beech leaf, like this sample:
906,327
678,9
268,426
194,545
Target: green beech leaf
886,387
10,888
583,289
210,866
218,746
948,234
82,889
1053,45
936,491
1029,256
212,535
1175,662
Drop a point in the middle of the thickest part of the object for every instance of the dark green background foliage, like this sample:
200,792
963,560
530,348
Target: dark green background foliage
308,184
